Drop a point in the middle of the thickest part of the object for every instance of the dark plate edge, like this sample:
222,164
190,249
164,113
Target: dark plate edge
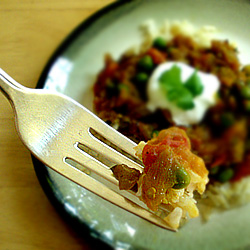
81,27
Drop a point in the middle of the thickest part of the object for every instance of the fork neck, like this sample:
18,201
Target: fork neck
9,86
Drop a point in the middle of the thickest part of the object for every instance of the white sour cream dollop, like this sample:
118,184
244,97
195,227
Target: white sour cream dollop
157,98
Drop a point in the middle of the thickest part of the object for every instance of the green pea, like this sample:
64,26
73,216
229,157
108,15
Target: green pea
245,92
155,133
240,83
247,145
146,63
246,104
123,86
112,89
246,69
182,178
214,170
141,78
160,43
225,175
227,119
248,81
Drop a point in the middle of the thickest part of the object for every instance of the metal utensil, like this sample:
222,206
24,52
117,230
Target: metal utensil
71,140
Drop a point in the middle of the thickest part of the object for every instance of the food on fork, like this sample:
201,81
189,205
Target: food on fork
171,174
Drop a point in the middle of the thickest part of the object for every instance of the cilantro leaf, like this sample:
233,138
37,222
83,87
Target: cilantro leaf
181,97
178,92
194,84
171,78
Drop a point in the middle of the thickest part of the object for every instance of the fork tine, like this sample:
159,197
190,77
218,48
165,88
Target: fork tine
106,193
111,134
111,154
99,171
92,164
102,170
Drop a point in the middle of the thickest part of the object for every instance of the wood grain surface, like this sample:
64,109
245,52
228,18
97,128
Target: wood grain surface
30,31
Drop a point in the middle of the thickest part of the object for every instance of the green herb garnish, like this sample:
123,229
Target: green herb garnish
194,85
178,92
181,97
171,78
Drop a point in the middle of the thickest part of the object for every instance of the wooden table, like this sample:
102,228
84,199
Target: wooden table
30,31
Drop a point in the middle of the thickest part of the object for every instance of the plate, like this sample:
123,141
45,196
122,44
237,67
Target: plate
72,71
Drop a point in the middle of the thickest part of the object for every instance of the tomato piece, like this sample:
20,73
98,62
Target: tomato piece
242,170
157,55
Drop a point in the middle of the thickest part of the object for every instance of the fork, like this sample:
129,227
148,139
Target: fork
74,142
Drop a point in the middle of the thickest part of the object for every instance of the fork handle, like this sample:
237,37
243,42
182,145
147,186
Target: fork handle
9,86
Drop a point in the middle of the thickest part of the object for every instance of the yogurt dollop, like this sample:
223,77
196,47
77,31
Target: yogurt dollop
157,97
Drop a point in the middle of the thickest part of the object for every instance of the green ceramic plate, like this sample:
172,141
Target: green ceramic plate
72,71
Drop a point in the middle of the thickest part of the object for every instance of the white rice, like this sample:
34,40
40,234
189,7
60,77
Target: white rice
169,29
224,196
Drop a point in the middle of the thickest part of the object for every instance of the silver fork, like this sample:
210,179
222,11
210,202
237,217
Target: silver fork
74,142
